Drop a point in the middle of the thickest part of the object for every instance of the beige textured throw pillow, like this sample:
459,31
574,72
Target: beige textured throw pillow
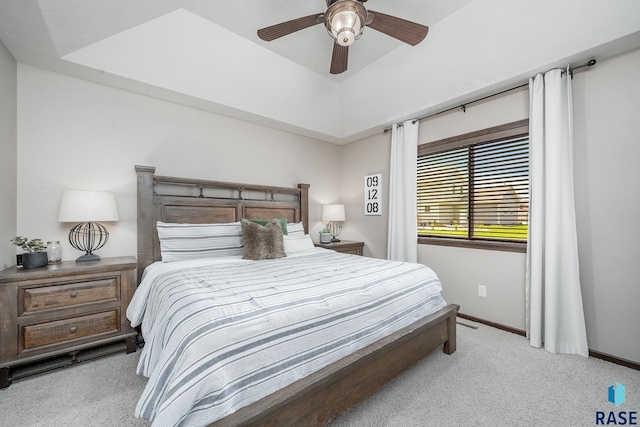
262,242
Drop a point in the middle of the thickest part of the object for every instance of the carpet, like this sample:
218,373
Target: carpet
493,379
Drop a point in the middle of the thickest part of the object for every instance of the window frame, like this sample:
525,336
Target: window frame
515,129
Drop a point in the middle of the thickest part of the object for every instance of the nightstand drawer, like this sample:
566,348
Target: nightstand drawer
69,329
48,297
352,251
61,311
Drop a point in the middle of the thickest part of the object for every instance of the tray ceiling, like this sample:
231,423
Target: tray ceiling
205,53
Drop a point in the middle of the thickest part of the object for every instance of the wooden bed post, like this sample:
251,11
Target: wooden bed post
304,206
145,217
450,345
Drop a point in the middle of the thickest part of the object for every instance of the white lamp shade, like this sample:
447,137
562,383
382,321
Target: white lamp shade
333,213
88,206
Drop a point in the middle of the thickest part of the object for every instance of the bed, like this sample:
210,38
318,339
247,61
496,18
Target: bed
185,386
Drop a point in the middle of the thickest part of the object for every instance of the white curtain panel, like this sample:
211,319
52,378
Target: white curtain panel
403,229
555,317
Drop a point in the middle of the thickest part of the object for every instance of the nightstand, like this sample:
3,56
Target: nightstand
58,312
344,246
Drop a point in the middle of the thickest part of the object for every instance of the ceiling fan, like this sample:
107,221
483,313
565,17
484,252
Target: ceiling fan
345,21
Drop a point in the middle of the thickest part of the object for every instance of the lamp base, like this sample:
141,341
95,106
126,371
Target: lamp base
334,240
88,258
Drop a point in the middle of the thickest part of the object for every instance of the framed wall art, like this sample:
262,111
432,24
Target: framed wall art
373,194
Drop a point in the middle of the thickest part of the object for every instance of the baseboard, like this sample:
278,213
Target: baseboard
616,360
592,353
492,324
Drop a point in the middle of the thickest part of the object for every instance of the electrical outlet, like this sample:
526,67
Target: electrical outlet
482,291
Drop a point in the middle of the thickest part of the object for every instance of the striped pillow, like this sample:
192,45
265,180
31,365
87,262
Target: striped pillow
295,229
180,242
293,244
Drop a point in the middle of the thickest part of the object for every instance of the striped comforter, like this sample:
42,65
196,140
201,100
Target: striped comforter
223,333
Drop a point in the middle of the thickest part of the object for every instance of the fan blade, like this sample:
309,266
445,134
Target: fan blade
398,28
284,28
339,59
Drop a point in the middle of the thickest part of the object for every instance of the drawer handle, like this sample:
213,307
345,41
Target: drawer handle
73,329
74,294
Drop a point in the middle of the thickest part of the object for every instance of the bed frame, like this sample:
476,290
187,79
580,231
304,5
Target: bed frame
322,396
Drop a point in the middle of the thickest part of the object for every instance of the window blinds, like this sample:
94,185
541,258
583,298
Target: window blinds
478,191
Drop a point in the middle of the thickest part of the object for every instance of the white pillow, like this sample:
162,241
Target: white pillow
295,229
180,242
294,244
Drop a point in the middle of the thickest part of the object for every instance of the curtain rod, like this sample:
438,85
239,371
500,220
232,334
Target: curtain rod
463,107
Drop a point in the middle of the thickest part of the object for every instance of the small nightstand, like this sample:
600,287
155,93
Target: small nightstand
344,246
59,311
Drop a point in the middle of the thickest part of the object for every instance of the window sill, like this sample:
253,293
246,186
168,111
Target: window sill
474,244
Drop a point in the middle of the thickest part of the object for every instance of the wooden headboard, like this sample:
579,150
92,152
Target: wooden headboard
195,201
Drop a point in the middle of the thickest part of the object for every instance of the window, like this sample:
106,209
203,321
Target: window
473,190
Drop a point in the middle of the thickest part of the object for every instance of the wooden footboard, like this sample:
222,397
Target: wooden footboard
321,397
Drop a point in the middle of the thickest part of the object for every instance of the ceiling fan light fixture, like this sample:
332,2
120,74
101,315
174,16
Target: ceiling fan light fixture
345,21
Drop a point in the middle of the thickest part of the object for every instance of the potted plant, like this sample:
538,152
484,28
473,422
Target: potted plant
35,254
325,235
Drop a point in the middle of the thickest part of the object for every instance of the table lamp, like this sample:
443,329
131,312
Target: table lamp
88,208
334,214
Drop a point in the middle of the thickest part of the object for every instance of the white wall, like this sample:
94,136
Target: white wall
607,155
8,136
75,134
461,270
607,175
366,157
